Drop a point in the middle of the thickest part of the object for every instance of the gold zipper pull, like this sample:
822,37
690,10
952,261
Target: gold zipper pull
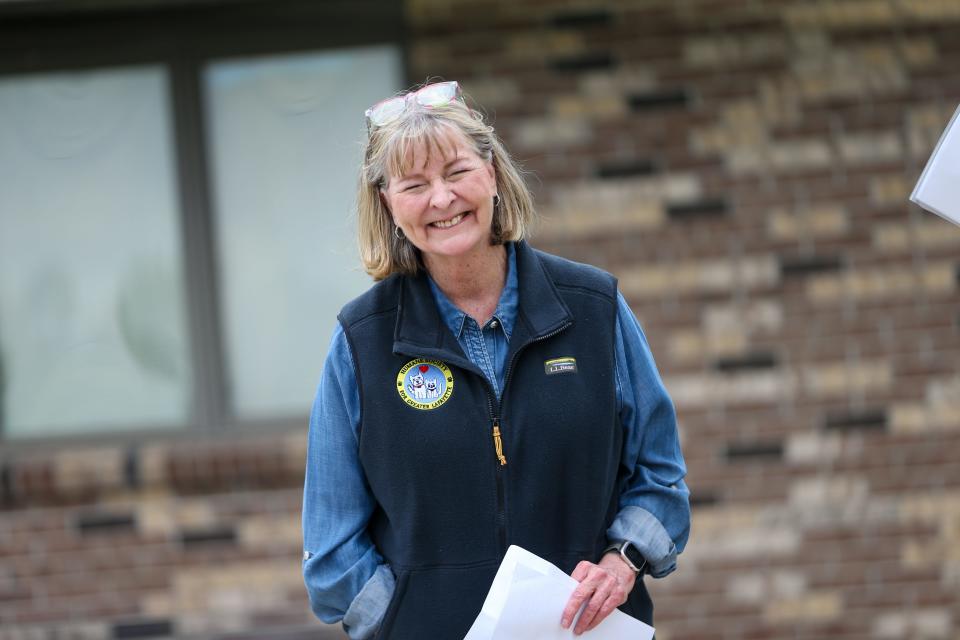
498,443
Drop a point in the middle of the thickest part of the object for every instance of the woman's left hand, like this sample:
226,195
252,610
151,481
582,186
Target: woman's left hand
603,586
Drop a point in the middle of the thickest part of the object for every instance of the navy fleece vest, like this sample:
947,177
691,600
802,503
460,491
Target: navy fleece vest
446,507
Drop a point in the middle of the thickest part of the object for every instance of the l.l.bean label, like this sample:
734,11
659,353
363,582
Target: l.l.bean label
560,365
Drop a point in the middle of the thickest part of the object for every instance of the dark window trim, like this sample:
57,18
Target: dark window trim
240,431
38,36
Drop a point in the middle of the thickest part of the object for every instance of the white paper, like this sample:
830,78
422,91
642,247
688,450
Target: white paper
938,189
528,596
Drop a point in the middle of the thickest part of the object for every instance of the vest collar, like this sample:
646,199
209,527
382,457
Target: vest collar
421,332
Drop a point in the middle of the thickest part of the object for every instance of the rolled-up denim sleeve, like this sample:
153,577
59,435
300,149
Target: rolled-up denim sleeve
345,576
654,501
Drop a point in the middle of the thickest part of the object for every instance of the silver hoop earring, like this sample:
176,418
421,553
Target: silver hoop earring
397,233
496,200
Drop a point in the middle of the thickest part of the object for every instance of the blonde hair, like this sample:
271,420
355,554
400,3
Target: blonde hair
388,152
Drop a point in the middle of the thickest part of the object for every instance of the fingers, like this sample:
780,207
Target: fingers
606,608
580,594
601,596
602,592
581,570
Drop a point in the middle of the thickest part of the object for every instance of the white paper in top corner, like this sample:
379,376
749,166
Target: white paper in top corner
938,189
526,600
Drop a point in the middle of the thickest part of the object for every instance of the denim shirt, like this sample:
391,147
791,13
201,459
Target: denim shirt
346,577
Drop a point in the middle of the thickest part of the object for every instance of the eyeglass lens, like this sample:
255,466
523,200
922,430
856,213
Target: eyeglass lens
432,95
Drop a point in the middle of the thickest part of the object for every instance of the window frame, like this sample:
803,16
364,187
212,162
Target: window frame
39,36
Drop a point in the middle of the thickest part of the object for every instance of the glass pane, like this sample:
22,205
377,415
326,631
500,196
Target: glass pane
92,327
286,134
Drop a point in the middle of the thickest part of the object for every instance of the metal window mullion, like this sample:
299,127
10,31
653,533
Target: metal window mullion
209,400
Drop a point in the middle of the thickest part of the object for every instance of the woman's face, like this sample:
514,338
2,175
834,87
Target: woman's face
443,201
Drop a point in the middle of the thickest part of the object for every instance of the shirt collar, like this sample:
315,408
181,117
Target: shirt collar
506,311
420,332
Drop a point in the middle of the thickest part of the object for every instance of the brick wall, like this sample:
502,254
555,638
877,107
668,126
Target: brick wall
743,167
198,539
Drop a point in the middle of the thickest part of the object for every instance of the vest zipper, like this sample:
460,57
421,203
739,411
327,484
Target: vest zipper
498,438
501,516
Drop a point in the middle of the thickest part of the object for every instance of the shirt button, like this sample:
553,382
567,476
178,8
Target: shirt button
493,324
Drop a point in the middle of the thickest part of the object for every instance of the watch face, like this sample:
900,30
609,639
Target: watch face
634,556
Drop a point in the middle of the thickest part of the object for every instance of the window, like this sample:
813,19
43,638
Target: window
176,219
284,145
92,330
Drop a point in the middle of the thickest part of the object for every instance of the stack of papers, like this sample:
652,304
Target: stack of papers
938,189
526,600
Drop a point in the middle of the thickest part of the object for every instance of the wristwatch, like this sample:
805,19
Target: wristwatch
629,554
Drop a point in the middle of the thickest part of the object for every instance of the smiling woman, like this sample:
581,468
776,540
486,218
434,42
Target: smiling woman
444,430
444,202
458,147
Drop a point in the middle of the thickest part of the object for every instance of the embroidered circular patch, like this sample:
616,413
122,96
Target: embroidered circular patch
425,384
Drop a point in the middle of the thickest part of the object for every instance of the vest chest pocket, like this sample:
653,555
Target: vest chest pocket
561,409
